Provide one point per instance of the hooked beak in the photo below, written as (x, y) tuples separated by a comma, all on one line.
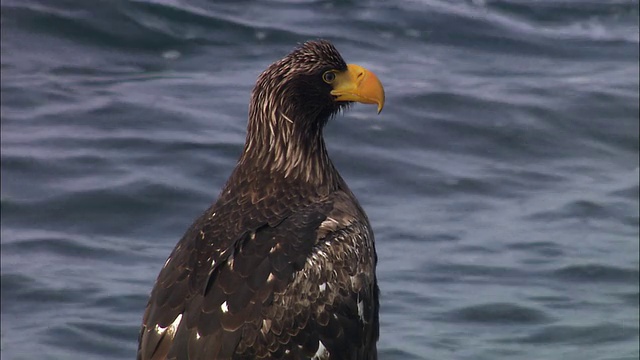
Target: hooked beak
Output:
[(360, 85)]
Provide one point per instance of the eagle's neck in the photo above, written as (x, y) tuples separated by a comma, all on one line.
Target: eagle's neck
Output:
[(288, 144)]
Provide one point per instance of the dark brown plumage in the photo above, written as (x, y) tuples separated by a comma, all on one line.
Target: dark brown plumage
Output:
[(282, 266)]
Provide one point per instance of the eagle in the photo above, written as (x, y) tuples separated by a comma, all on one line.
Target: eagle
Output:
[(282, 265)]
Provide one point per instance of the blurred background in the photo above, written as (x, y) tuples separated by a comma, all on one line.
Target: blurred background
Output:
[(501, 179)]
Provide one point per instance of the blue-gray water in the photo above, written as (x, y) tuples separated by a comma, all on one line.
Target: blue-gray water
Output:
[(501, 179)]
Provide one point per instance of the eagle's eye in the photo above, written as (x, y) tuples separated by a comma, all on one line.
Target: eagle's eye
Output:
[(329, 76)]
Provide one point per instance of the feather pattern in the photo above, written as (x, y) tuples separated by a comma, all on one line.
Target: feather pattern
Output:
[(282, 265)]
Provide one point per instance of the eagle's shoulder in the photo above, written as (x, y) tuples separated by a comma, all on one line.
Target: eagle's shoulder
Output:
[(272, 286)]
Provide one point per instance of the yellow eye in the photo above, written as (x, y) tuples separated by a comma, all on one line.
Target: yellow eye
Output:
[(329, 76)]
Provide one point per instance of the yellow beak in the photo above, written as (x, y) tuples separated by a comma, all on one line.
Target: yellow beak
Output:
[(360, 85)]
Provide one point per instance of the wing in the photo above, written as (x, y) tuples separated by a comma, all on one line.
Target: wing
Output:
[(329, 310), (297, 286)]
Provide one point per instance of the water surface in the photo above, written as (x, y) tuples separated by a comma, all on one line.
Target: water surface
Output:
[(501, 179)]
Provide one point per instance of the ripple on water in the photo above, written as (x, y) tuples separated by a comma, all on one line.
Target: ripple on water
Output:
[(499, 313), (578, 209), (133, 302), (397, 354), (580, 335), (461, 273), (123, 119), (90, 336), (631, 299), (597, 273), (19, 290), (545, 249), (64, 246), (630, 192)]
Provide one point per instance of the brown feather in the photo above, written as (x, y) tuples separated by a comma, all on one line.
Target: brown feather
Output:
[(283, 264)]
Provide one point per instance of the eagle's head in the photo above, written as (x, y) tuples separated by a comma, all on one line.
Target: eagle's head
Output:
[(292, 101), (311, 84)]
